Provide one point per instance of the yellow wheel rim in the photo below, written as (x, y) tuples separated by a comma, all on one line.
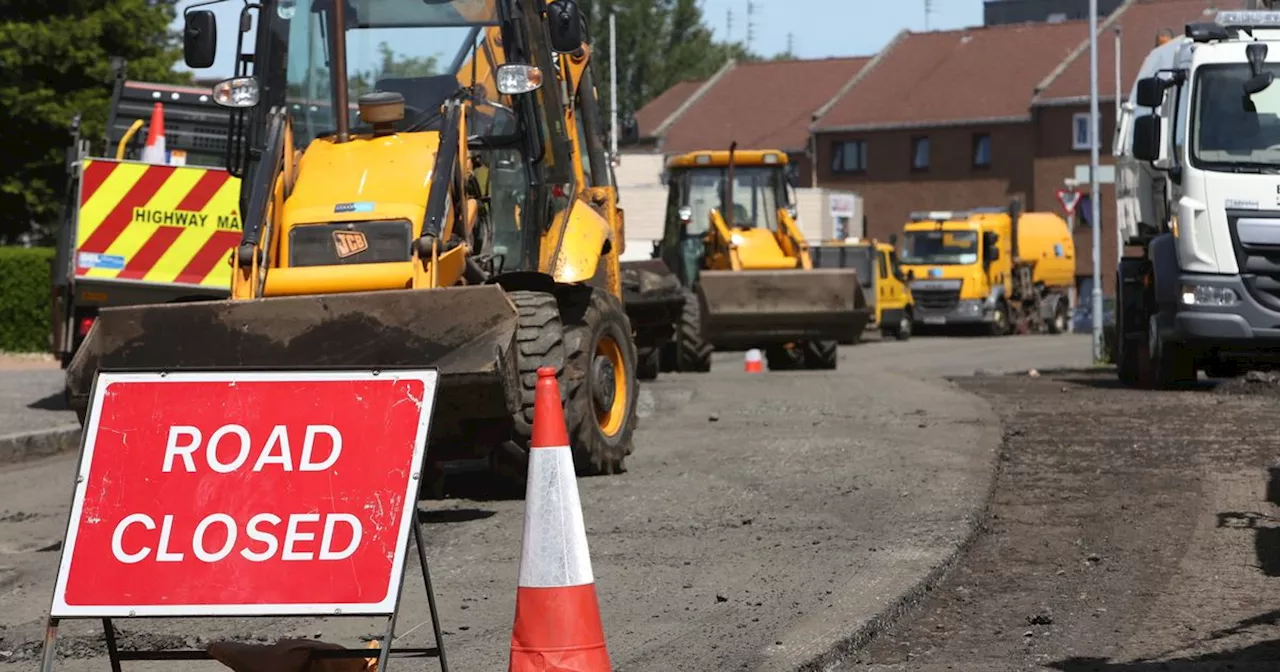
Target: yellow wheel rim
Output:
[(610, 419)]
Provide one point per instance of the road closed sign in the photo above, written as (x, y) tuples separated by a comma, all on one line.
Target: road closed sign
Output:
[(246, 493)]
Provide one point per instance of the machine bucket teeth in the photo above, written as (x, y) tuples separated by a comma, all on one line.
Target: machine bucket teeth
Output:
[(466, 333), (743, 309)]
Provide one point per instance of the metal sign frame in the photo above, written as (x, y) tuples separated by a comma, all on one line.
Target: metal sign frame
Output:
[(410, 527)]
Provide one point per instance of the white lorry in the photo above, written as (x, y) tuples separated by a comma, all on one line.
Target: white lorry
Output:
[(1198, 189)]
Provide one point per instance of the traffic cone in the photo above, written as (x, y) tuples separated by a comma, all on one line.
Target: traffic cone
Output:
[(755, 362), (154, 152), (557, 622)]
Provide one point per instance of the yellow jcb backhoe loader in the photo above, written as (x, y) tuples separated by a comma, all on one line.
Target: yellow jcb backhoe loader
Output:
[(732, 241), (447, 225)]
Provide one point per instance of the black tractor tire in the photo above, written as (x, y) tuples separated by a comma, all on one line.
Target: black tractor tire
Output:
[(784, 357), (648, 363), (1061, 321), (1171, 366), (539, 343), (600, 364), (692, 353), (821, 355)]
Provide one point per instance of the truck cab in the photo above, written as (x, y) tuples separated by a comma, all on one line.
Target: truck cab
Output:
[(883, 282), (1198, 189)]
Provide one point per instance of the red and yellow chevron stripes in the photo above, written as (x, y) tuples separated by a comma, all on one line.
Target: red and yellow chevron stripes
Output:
[(161, 224)]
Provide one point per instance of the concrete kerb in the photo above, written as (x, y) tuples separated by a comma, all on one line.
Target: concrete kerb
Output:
[(25, 446), (846, 648)]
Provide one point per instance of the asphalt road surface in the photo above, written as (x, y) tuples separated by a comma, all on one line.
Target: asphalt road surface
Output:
[(31, 395), (1129, 532), (764, 519)]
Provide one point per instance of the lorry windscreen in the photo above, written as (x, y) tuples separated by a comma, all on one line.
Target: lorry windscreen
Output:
[(939, 247), (1232, 129)]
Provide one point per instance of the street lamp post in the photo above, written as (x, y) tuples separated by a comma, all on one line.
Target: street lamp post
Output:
[(613, 83), (1093, 180)]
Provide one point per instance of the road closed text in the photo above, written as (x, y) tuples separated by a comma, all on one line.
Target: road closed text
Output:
[(230, 449)]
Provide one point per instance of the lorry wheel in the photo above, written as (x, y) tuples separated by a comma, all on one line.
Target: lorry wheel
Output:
[(1000, 320), (600, 383), (1171, 364), (692, 353), (539, 343), (903, 332), (821, 354), (647, 363), (1129, 362), (784, 357), (1059, 323)]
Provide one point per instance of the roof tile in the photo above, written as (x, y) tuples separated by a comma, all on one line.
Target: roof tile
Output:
[(763, 104), (656, 111), (970, 74)]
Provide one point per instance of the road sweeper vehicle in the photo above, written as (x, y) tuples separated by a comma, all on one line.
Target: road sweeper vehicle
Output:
[(443, 224), (883, 283), (1198, 191), (998, 269), (731, 240)]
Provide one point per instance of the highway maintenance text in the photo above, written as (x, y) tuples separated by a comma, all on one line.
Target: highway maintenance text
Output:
[(189, 218)]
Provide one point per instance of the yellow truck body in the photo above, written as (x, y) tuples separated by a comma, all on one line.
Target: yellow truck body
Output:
[(883, 281), (999, 269)]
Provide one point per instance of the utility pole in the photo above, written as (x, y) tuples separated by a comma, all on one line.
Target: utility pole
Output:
[(613, 83), (791, 44), (728, 25), (751, 26), (928, 11), (1093, 180)]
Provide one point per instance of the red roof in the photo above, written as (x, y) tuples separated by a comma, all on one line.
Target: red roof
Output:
[(967, 75), (1140, 23), (763, 104), (656, 111)]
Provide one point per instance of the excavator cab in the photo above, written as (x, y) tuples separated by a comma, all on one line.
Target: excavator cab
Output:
[(411, 197), (732, 240)]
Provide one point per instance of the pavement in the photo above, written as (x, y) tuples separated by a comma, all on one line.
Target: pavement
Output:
[(31, 394), (766, 522)]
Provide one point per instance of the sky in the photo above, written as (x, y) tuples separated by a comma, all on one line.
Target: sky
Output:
[(844, 27)]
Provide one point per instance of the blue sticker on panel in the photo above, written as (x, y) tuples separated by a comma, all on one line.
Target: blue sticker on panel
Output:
[(110, 262), (362, 206)]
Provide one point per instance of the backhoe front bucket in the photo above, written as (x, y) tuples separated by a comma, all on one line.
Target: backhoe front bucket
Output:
[(468, 333), (746, 309)]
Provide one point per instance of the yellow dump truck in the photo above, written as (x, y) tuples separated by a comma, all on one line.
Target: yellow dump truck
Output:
[(731, 239), (999, 269), (883, 283)]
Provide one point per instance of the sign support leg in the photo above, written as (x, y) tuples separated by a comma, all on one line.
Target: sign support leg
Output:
[(113, 652), (431, 593), (50, 639)]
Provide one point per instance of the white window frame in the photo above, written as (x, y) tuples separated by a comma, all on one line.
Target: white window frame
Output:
[(1077, 143)]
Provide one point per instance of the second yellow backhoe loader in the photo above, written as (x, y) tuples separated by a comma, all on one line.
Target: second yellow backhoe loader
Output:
[(732, 240), (447, 224)]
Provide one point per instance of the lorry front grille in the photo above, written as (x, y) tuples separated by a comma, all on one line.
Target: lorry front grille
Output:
[(1256, 239), (935, 300), (350, 243)]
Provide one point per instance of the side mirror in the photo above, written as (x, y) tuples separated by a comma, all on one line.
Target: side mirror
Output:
[(199, 38), (1146, 138), (1258, 83), (565, 24), (1150, 92), (893, 240), (911, 274), (993, 254)]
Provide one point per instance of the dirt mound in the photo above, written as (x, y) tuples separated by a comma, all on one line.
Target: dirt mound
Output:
[(1253, 383)]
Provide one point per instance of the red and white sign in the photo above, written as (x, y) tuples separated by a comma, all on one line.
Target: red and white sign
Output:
[(246, 493), (1069, 199)]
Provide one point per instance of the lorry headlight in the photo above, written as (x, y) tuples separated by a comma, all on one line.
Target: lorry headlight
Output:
[(970, 306), (1203, 295)]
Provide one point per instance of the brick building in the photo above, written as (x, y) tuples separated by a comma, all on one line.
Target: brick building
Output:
[(975, 117), (763, 104)]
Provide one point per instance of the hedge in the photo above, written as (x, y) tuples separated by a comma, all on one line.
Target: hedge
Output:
[(24, 298)]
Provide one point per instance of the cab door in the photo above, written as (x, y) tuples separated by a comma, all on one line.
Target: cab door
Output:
[(891, 292)]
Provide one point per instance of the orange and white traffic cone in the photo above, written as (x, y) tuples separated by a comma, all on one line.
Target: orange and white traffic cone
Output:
[(557, 622), (755, 362), (155, 152)]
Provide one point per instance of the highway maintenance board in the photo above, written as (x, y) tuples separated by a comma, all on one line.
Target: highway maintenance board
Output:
[(245, 494)]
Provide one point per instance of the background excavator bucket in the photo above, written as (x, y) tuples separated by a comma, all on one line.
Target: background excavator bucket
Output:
[(468, 333), (745, 309)]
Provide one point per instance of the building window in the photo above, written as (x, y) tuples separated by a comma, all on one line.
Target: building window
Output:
[(981, 150), (849, 156), (1080, 136), (920, 153)]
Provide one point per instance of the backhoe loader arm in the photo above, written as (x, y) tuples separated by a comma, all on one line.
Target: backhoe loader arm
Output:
[(720, 241), (794, 243)]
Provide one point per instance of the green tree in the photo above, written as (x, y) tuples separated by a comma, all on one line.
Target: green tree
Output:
[(55, 63), (660, 43)]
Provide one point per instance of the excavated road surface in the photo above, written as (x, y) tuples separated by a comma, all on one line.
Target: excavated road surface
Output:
[(1129, 531), (764, 519)]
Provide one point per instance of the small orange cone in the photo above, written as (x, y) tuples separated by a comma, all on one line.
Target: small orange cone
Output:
[(755, 362), (155, 152), (557, 622)]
